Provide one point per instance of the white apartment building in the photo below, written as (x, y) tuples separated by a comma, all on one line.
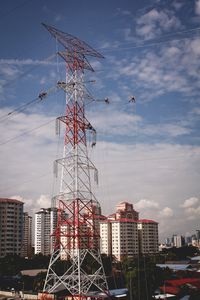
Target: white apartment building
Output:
[(45, 224), (119, 238), (123, 235), (178, 241), (148, 236), (88, 233)]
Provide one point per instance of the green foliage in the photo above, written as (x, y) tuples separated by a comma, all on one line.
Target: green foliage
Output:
[(180, 253), (11, 265), (140, 276)]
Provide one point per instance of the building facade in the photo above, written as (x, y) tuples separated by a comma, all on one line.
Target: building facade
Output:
[(124, 235), (45, 224), (11, 226), (148, 236), (119, 238), (178, 241), (27, 245)]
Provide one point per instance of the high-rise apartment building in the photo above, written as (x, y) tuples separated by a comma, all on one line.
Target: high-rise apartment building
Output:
[(66, 231), (125, 210), (119, 238), (11, 226), (124, 235), (27, 244), (45, 224), (148, 236)]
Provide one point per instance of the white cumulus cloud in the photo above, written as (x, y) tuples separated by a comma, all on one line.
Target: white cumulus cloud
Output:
[(166, 212), (197, 7), (190, 202), (144, 203), (154, 22)]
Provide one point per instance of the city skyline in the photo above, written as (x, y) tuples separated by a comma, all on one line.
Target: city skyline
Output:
[(147, 151)]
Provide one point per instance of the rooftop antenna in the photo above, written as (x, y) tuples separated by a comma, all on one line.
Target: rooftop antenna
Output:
[(76, 237)]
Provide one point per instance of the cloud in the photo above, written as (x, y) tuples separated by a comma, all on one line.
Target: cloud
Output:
[(195, 111), (177, 4), (197, 7), (144, 203), (57, 18), (154, 22), (136, 172), (190, 202), (172, 130), (166, 212), (192, 213), (34, 205), (172, 68), (117, 123), (9, 71), (26, 62), (191, 208)]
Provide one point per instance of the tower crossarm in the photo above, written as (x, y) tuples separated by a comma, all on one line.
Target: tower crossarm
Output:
[(72, 43)]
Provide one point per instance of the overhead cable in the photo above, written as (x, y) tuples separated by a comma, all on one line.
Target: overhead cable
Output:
[(142, 44), (25, 132)]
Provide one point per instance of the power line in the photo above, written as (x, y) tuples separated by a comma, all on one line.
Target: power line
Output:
[(23, 74), (25, 132), (143, 44), (105, 162), (148, 159), (13, 9), (17, 110), (23, 107), (28, 180)]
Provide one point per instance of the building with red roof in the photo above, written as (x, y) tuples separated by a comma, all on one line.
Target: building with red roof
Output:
[(123, 234)]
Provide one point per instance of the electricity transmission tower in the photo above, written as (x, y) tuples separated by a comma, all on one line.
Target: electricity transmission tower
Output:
[(76, 237)]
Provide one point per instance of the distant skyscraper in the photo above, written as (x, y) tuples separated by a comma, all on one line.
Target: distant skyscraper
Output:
[(11, 226), (27, 244), (178, 241), (198, 234), (188, 240), (45, 224), (168, 242)]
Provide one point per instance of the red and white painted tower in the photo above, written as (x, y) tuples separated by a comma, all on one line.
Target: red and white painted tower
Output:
[(76, 238)]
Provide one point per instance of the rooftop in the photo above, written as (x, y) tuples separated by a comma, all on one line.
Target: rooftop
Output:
[(8, 200)]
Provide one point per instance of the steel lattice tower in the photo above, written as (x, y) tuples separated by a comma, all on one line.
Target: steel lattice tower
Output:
[(76, 238)]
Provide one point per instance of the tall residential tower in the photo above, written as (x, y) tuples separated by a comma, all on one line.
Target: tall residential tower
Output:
[(11, 226), (45, 224)]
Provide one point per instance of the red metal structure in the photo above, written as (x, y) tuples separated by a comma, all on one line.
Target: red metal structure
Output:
[(76, 238)]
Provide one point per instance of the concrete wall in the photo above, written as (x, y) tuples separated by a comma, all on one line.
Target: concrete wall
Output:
[(25, 296), (6, 294)]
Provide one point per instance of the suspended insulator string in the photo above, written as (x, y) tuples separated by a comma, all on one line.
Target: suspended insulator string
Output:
[(23, 107), (25, 132)]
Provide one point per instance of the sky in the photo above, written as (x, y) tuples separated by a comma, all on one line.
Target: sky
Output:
[(148, 152)]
